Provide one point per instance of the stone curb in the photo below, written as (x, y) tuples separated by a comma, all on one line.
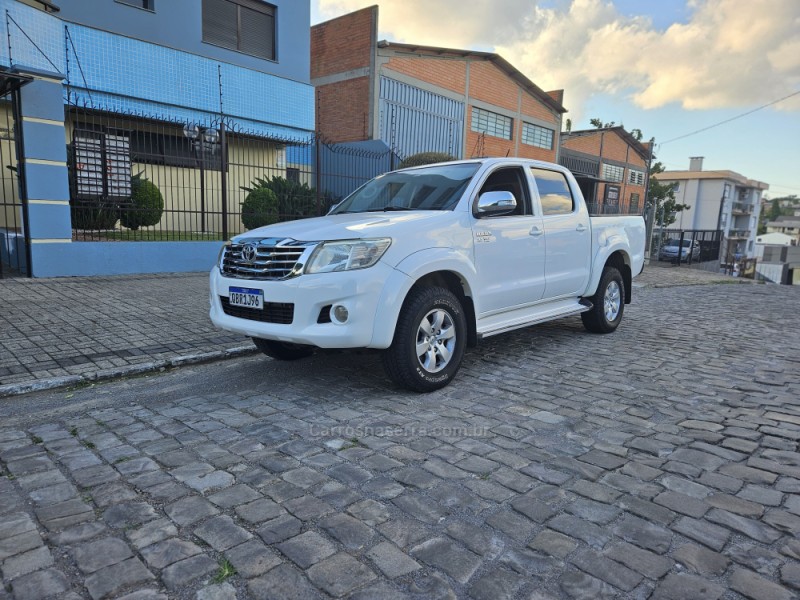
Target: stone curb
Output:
[(26, 387)]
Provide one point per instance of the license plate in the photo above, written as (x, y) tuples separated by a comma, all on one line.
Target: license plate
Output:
[(246, 297)]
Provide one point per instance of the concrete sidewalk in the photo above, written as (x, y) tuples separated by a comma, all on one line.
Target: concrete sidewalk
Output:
[(57, 332), (64, 331)]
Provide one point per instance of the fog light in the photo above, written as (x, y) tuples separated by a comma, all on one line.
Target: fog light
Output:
[(340, 314)]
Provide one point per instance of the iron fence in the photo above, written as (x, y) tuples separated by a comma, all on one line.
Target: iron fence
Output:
[(138, 178), (702, 247), (14, 241)]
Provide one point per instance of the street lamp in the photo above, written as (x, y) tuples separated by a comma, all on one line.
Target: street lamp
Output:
[(203, 140)]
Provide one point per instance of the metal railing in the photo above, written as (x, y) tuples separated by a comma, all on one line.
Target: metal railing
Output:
[(742, 208), (139, 178)]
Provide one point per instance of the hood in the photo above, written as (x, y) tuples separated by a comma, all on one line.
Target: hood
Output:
[(346, 226)]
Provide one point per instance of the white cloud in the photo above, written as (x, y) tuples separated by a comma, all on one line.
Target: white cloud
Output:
[(730, 53)]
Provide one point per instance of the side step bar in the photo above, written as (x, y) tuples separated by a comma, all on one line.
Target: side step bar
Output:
[(583, 305)]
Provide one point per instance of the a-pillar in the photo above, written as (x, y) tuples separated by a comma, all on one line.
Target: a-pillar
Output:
[(44, 167)]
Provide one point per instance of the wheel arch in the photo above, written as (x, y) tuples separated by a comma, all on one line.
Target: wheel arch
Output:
[(622, 262), (460, 287)]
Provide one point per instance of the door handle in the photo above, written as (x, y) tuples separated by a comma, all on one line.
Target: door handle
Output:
[(581, 228), (535, 231)]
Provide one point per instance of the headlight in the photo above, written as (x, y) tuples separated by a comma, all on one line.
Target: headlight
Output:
[(346, 255)]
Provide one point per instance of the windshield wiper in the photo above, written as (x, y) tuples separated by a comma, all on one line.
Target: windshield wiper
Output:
[(390, 208)]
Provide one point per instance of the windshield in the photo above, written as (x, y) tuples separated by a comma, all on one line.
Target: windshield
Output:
[(429, 188), (676, 243)]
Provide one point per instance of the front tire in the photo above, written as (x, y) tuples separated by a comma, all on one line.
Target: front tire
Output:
[(608, 303), (282, 350), (429, 340)]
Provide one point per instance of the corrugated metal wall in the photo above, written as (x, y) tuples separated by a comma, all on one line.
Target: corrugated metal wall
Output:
[(415, 120)]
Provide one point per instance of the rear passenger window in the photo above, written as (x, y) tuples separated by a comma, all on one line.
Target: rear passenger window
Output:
[(554, 192)]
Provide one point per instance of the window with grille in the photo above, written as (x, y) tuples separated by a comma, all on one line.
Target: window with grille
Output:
[(145, 4), (634, 203), (635, 177), (613, 172), (484, 121), (247, 26), (534, 135)]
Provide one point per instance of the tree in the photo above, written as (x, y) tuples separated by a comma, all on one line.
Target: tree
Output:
[(662, 196), (425, 158), (568, 125), (775, 210), (600, 125)]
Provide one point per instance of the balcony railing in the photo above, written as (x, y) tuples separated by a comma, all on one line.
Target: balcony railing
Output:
[(741, 234), (740, 208)]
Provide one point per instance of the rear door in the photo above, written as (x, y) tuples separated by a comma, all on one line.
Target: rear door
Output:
[(509, 249), (567, 232)]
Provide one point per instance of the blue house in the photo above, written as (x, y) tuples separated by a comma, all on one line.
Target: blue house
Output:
[(129, 128)]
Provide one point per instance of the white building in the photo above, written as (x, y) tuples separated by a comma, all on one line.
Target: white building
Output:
[(722, 200), (786, 225)]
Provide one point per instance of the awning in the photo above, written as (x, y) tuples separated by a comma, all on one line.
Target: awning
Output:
[(11, 81)]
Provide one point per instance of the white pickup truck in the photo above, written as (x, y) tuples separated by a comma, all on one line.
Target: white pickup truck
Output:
[(422, 262)]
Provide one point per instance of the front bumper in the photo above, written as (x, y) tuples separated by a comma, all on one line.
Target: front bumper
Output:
[(359, 291)]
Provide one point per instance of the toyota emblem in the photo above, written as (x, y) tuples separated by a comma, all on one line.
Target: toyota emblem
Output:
[(250, 252)]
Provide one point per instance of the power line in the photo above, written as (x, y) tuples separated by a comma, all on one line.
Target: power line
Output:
[(744, 114)]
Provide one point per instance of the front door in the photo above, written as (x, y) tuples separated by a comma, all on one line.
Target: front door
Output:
[(509, 249)]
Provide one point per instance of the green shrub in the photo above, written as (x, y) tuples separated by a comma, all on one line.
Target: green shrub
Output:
[(260, 208), (425, 158), (94, 214), (294, 200), (145, 207)]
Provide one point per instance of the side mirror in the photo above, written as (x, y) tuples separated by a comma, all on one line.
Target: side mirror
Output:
[(492, 204)]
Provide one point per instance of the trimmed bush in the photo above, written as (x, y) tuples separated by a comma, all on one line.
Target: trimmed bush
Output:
[(294, 200), (94, 214), (146, 205), (425, 158), (260, 208)]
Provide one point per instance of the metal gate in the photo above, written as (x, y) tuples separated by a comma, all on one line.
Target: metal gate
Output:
[(14, 237)]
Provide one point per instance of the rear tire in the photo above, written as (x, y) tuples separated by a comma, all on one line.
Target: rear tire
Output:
[(282, 350), (608, 303), (429, 340)]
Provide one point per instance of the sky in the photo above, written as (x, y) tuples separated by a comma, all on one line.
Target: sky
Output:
[(666, 67)]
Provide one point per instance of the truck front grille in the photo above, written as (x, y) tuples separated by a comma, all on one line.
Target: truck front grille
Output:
[(273, 312), (263, 259)]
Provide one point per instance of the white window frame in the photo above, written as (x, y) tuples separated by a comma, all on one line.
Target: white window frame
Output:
[(613, 173), (533, 134), (635, 177), (492, 123)]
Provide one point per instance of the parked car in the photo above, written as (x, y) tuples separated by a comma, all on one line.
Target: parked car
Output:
[(422, 262), (669, 251)]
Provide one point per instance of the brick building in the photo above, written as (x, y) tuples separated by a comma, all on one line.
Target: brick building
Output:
[(611, 166), (422, 98)]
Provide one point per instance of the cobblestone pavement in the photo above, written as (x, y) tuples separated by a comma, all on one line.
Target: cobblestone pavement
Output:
[(94, 326), (657, 462), (99, 327)]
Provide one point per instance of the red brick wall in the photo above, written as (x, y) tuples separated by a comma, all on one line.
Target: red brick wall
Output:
[(588, 144), (343, 110), (449, 74), (338, 46), (615, 148), (535, 108), (343, 44), (490, 84)]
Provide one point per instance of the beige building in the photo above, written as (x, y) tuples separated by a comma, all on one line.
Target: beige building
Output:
[(723, 200)]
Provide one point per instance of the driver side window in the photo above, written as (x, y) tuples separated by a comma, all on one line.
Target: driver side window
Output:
[(510, 180)]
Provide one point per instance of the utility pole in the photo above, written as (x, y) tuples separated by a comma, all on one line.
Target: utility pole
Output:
[(651, 222)]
